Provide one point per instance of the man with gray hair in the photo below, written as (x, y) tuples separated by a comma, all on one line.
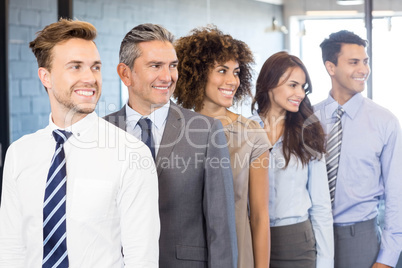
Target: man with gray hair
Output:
[(196, 199)]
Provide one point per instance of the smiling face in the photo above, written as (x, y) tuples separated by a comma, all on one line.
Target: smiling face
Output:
[(153, 78), (350, 74), (223, 81), (290, 92), (74, 82)]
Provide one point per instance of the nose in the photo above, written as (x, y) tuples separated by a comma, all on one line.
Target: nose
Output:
[(88, 76), (165, 74), (300, 92), (364, 68), (232, 80)]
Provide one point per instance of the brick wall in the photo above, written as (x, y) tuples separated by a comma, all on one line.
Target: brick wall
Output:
[(29, 104)]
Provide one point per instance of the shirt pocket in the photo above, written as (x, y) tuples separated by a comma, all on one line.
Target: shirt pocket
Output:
[(91, 199)]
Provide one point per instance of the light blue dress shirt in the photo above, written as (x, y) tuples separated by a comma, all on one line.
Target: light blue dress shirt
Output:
[(298, 193), (158, 118), (370, 168)]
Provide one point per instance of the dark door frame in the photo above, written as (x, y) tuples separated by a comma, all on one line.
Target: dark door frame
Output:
[(4, 111), (65, 9)]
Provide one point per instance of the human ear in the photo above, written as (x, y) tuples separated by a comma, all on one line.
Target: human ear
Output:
[(330, 67), (125, 73), (44, 76)]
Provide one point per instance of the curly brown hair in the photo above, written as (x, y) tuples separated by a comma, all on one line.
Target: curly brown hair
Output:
[(198, 53)]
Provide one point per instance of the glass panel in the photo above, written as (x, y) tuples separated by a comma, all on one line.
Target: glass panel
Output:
[(315, 32), (386, 54), (386, 51)]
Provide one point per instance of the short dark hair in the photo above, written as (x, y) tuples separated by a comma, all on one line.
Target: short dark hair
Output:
[(331, 46), (198, 53), (56, 33), (129, 50)]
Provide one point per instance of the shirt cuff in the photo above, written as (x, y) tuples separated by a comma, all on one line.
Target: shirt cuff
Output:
[(388, 257)]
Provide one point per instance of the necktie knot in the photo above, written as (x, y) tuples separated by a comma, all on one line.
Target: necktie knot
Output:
[(61, 136), (339, 112), (145, 123)]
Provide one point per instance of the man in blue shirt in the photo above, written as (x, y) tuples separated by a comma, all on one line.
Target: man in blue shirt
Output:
[(370, 160)]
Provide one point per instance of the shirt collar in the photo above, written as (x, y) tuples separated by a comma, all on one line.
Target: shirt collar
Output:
[(256, 117), (157, 117), (350, 107), (79, 127), (353, 105)]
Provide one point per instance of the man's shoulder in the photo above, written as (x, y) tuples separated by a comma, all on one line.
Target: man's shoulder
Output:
[(117, 118), (378, 109), (113, 131), (320, 105), (32, 137), (30, 142), (113, 116)]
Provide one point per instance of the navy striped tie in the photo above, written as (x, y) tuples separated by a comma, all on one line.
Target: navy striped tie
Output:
[(54, 208)]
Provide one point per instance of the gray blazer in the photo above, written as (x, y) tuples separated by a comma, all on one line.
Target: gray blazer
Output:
[(196, 198)]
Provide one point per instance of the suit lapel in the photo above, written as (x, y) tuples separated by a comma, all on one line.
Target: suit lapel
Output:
[(174, 125)]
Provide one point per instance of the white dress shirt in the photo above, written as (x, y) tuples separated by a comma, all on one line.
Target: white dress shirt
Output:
[(112, 198), (298, 193), (158, 119)]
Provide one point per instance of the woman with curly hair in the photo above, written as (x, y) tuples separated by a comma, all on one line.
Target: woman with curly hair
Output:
[(215, 71), (300, 207)]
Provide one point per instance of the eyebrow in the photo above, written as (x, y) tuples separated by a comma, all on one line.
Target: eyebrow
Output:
[(162, 62), (81, 62), (355, 59), (226, 67), (293, 81)]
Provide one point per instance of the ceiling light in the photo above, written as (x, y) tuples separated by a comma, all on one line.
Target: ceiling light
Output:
[(275, 27), (331, 12), (349, 2)]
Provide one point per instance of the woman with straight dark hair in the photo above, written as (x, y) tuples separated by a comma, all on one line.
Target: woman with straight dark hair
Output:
[(299, 200)]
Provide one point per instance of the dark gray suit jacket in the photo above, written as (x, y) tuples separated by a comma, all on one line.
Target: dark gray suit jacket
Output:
[(196, 199)]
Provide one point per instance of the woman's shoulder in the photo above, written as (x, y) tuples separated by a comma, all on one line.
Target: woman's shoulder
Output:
[(248, 123)]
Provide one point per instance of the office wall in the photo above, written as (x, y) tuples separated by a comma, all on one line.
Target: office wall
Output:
[(29, 105)]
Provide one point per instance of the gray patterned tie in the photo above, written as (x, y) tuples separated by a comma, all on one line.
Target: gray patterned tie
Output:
[(333, 152)]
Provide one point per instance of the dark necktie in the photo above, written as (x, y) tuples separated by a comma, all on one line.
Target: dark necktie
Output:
[(333, 152), (54, 207), (146, 134)]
